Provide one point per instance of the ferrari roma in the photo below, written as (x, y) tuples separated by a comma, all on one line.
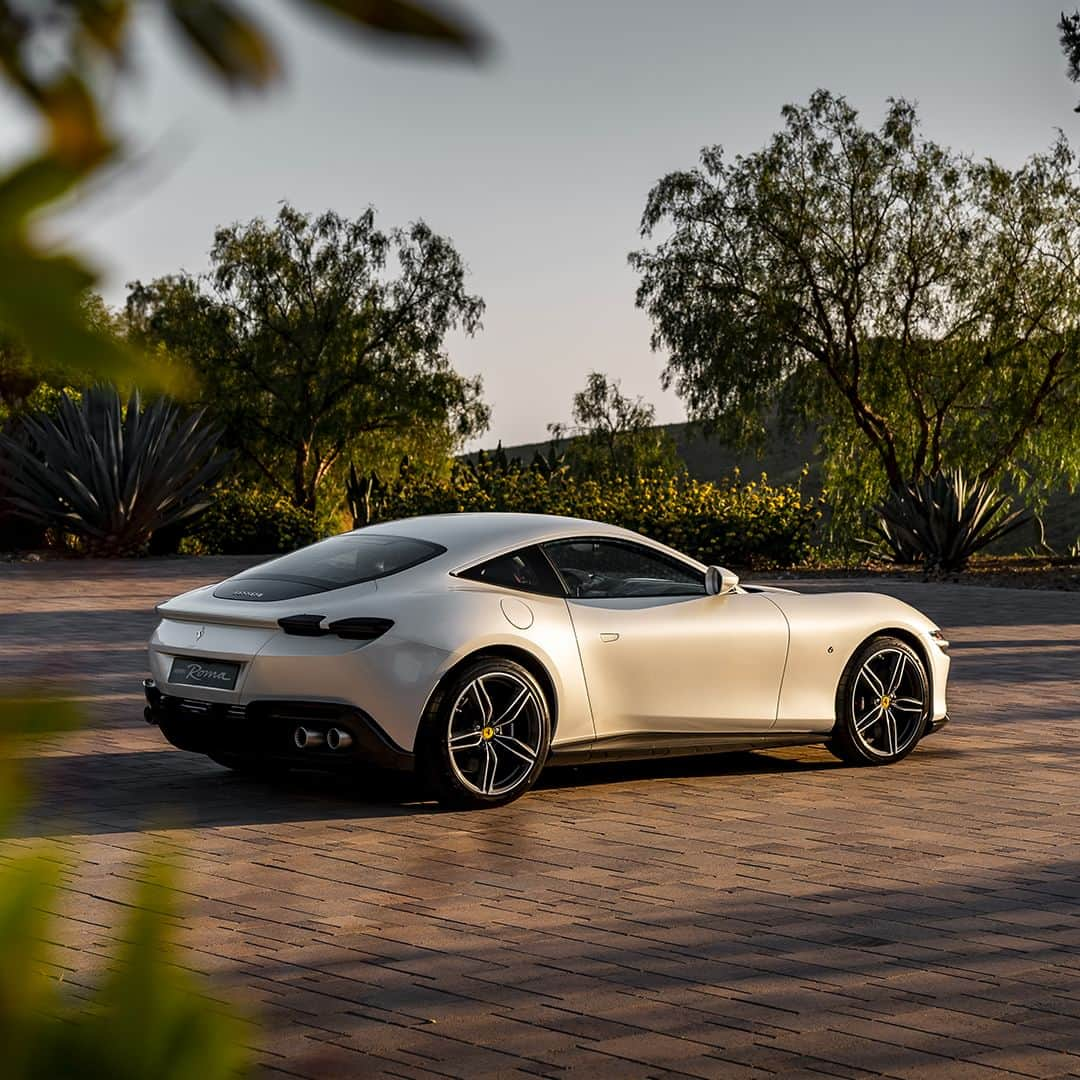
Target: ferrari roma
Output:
[(476, 648)]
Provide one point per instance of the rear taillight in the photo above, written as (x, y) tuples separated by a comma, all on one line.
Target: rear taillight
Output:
[(303, 625), (361, 629), (356, 629)]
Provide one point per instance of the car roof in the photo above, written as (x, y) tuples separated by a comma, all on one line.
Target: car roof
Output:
[(473, 535)]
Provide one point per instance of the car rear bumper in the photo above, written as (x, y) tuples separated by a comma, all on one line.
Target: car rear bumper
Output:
[(266, 730)]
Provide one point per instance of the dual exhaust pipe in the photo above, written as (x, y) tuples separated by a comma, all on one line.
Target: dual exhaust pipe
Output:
[(335, 739)]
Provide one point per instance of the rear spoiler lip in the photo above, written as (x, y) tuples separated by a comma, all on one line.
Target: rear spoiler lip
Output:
[(163, 611)]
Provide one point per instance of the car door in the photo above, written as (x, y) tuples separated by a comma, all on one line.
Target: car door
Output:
[(658, 653)]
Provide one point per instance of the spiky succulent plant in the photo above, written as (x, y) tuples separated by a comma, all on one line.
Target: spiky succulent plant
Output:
[(946, 519), (108, 473)]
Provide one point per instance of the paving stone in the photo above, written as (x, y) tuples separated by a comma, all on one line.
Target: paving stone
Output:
[(750, 915)]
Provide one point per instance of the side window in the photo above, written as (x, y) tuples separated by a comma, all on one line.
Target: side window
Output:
[(526, 570), (609, 568)]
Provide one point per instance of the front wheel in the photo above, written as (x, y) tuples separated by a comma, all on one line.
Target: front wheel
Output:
[(486, 735), (882, 703)]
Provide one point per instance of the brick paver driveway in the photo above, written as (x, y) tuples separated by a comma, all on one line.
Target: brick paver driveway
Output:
[(721, 917)]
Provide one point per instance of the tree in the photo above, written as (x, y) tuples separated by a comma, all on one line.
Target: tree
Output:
[(65, 59), (908, 300), (26, 380), (304, 344), (613, 434), (1069, 28)]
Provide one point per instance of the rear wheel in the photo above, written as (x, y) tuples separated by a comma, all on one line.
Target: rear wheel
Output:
[(882, 703), (486, 735)]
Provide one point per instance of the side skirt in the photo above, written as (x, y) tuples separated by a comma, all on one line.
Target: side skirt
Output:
[(676, 744)]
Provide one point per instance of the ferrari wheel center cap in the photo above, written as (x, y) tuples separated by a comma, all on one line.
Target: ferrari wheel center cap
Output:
[(886, 701), (488, 733)]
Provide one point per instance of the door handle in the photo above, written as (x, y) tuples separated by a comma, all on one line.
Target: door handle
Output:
[(609, 637)]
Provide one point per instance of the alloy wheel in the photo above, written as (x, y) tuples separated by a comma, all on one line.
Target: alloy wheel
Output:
[(495, 733), (888, 702)]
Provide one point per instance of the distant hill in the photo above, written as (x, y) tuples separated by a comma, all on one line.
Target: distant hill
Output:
[(708, 459), (784, 458)]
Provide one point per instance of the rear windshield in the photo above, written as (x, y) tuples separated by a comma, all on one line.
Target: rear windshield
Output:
[(345, 560)]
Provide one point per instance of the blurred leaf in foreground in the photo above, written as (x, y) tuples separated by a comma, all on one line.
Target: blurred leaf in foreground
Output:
[(418, 22), (147, 1019), (24, 715), (62, 57), (43, 294)]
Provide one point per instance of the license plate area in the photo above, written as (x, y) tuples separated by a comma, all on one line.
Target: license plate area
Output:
[(198, 671)]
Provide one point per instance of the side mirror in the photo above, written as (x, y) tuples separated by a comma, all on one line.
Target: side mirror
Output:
[(719, 581)]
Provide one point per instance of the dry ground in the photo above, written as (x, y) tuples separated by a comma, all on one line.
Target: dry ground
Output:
[(719, 917)]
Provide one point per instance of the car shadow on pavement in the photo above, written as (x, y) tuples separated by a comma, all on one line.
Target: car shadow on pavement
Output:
[(733, 763), (126, 791)]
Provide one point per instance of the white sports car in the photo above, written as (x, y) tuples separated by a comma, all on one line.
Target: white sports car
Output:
[(476, 648)]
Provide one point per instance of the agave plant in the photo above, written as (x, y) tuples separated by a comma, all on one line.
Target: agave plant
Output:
[(890, 544), (110, 474), (946, 520)]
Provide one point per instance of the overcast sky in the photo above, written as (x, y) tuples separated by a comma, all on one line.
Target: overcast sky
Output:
[(537, 163)]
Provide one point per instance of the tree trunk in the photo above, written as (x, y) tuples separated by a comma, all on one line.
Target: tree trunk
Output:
[(303, 496)]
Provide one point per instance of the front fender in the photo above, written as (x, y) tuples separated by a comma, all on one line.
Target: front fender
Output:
[(825, 632)]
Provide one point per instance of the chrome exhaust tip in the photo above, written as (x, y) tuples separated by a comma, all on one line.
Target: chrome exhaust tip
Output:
[(337, 739), (307, 737)]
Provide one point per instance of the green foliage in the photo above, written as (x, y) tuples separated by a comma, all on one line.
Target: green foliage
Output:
[(734, 523), (918, 306), (612, 434), (59, 55), (1069, 28), (37, 396), (894, 542), (147, 1018), (28, 384), (109, 474), (64, 59), (249, 521), (945, 519), (42, 294), (363, 492), (550, 464), (306, 347)]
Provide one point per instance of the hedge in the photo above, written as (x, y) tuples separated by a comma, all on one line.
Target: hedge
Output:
[(247, 521), (731, 523)]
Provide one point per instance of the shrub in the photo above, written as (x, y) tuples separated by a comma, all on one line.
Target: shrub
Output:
[(946, 520), (249, 521), (733, 523), (107, 473)]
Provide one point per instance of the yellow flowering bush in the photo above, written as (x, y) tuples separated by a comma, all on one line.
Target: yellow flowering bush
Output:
[(733, 523)]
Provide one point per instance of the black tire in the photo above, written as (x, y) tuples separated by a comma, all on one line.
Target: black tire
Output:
[(883, 703), (472, 774)]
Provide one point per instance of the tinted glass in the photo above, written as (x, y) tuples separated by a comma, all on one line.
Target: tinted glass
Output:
[(526, 570), (340, 561), (602, 568)]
